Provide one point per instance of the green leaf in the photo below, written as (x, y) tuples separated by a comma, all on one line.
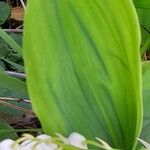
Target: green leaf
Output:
[(12, 87), (145, 46), (146, 144), (10, 42), (142, 4), (145, 28), (4, 12), (146, 87), (15, 65), (13, 84), (4, 130), (17, 37), (89, 76), (146, 103)]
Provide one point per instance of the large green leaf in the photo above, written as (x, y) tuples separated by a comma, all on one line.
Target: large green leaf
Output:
[(83, 68)]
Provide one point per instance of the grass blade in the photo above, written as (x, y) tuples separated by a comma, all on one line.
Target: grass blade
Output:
[(17, 66), (10, 42)]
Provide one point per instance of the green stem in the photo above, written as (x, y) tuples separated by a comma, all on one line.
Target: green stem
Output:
[(21, 130)]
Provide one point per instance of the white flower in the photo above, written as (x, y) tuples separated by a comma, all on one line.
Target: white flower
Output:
[(42, 146), (29, 144), (45, 146), (77, 140), (42, 142), (7, 145)]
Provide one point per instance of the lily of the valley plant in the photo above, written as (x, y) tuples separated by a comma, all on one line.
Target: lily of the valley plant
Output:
[(83, 67)]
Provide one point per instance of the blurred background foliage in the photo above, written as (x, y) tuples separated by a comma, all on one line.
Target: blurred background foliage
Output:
[(15, 107)]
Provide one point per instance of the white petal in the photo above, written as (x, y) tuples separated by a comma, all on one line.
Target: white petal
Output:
[(27, 145), (43, 146), (43, 136), (6, 144), (39, 146), (75, 139)]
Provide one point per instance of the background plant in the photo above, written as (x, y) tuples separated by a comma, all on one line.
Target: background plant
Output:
[(12, 86)]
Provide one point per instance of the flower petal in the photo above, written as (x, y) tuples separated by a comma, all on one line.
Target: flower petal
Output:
[(6, 144), (75, 139)]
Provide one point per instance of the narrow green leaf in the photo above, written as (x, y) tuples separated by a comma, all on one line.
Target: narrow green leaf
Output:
[(13, 84), (10, 42), (89, 60), (142, 4), (146, 144), (17, 66)]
